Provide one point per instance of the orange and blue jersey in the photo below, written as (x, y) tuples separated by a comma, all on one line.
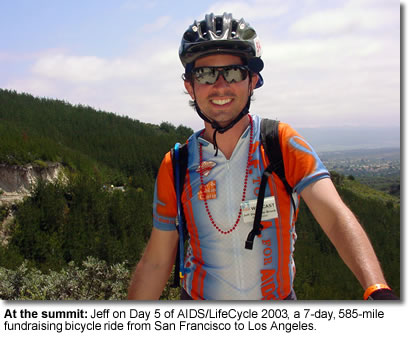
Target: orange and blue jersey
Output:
[(218, 267)]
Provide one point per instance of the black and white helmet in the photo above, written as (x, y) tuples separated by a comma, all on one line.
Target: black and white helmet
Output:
[(219, 34)]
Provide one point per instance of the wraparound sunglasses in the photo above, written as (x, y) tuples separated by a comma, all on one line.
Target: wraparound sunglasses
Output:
[(210, 74)]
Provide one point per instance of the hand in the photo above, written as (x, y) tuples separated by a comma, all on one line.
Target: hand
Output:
[(383, 294)]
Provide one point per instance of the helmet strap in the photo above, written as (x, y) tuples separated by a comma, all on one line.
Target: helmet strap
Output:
[(217, 127)]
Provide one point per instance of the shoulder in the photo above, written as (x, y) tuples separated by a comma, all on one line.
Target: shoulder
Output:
[(301, 162), (286, 131), (281, 131), (185, 154), (167, 161), (283, 128), (292, 141), (165, 173)]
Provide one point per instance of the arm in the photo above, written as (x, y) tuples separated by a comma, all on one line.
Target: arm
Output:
[(344, 231), (153, 270)]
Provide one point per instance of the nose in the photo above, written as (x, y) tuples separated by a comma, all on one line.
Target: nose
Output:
[(220, 81)]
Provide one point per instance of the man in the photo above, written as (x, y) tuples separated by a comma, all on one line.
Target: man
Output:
[(221, 56)]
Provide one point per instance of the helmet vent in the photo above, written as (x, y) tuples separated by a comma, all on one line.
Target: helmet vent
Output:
[(234, 28), (189, 36), (218, 26), (204, 29)]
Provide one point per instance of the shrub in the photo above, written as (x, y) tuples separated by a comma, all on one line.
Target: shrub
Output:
[(94, 280)]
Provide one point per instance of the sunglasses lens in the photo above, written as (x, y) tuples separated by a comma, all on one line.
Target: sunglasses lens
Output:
[(231, 74), (206, 75), (234, 74)]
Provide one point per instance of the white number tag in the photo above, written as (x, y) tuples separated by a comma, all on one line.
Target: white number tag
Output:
[(268, 212)]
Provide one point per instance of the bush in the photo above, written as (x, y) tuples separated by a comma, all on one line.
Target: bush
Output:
[(94, 280)]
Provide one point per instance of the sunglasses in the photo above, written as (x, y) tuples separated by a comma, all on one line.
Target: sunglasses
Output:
[(210, 74)]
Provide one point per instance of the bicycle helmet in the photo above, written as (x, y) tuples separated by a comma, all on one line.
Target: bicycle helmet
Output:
[(221, 34)]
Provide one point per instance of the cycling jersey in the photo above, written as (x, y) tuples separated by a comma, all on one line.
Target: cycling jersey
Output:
[(218, 265)]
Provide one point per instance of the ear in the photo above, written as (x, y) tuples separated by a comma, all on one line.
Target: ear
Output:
[(252, 83), (254, 80), (189, 88)]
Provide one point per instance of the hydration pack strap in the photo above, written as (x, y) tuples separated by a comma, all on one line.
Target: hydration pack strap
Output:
[(271, 145), (257, 226), (178, 157)]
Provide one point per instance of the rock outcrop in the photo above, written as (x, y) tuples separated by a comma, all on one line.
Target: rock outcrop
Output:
[(16, 181)]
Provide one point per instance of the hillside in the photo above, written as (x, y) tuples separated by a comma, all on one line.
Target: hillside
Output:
[(83, 215), (81, 138), (64, 222), (378, 213)]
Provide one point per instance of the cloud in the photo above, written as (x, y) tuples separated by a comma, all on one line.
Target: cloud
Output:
[(92, 69), (325, 54), (157, 25), (250, 10), (71, 68), (33, 85), (4, 56), (327, 23), (333, 66), (145, 84), (353, 17), (333, 81)]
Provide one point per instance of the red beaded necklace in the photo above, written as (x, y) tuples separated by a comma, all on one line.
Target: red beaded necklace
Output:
[(245, 184)]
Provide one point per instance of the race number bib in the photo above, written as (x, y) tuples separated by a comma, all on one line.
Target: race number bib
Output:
[(268, 212)]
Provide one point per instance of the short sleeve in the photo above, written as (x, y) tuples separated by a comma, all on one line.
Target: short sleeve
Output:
[(164, 205), (302, 164)]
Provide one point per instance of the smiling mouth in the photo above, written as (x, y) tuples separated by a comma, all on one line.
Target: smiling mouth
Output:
[(221, 101)]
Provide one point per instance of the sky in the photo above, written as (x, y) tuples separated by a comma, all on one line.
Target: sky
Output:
[(327, 63)]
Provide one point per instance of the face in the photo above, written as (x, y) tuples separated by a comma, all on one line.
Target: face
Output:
[(221, 101)]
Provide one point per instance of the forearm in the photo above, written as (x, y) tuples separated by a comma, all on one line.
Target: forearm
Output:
[(148, 281), (153, 270), (355, 249), (344, 231)]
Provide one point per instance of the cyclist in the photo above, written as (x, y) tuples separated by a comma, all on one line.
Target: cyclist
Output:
[(222, 61)]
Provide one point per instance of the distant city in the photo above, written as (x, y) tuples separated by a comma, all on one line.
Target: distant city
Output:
[(378, 168), (366, 162), (370, 155)]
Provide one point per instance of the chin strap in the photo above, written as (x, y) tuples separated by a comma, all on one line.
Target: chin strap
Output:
[(216, 126)]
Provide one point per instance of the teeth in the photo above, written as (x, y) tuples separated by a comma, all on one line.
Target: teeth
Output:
[(221, 101)]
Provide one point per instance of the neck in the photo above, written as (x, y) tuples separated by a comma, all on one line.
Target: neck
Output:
[(228, 140)]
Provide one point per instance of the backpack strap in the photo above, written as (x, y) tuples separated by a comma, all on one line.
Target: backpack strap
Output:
[(271, 145), (270, 140), (257, 225), (179, 156)]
